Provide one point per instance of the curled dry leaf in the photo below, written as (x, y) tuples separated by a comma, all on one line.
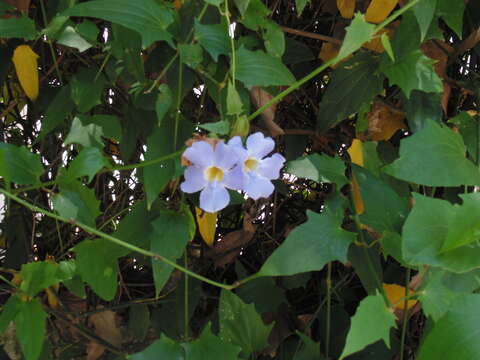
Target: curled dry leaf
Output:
[(440, 50), (105, 325), (226, 251), (260, 97), (383, 122)]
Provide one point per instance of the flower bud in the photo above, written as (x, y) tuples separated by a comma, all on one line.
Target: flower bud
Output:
[(241, 127)]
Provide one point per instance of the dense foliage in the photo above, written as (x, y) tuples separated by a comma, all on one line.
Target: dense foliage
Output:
[(368, 248)]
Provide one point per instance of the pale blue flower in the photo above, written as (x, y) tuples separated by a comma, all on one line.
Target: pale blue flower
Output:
[(211, 172), (255, 169)]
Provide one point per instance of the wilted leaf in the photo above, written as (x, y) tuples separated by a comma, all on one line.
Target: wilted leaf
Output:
[(25, 61), (346, 8), (207, 225), (378, 10)]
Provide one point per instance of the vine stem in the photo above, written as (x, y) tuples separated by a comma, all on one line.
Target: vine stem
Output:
[(329, 309), (105, 170), (405, 314), (232, 41), (321, 68), (115, 240)]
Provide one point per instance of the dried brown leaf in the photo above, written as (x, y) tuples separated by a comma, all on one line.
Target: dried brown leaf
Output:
[(260, 97), (105, 325)]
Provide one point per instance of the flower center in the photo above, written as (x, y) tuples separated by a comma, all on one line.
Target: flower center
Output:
[(213, 173), (250, 164)]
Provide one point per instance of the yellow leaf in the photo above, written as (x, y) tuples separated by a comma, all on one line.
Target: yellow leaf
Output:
[(357, 198), (177, 4), (25, 61), (17, 279), (51, 298), (207, 224), (356, 152), (396, 294), (346, 8), (378, 10)]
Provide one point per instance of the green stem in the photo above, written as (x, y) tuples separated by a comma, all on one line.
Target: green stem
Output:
[(329, 309), (232, 42), (162, 74), (50, 45), (115, 240), (321, 68), (405, 314), (185, 303)]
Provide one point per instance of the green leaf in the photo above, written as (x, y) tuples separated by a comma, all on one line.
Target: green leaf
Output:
[(384, 209), (426, 229), (191, 54), (274, 39), (87, 163), (319, 168), (19, 165), (163, 103), (452, 13), (422, 107), (372, 310), (37, 276), (310, 349), (242, 6), (256, 68), (87, 135), (414, 71), (98, 266), (210, 347), (300, 5), (434, 156), (220, 127), (234, 102), (263, 292), (387, 46), (88, 30), (213, 38), (468, 129), (139, 321), (358, 32), (70, 37), (255, 15), (30, 328), (172, 231), (86, 89), (310, 246), (9, 312), (163, 348), (455, 335), (424, 12), (240, 324), (60, 107), (22, 27), (127, 45), (159, 143), (149, 17), (77, 202), (351, 86), (465, 228)]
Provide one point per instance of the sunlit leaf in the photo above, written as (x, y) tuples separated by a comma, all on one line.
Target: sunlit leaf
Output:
[(358, 32)]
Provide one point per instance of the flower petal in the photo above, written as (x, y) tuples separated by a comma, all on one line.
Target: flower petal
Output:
[(259, 146), (258, 186), (200, 153), (194, 180), (225, 157), (235, 141), (235, 178), (270, 167), (214, 197)]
